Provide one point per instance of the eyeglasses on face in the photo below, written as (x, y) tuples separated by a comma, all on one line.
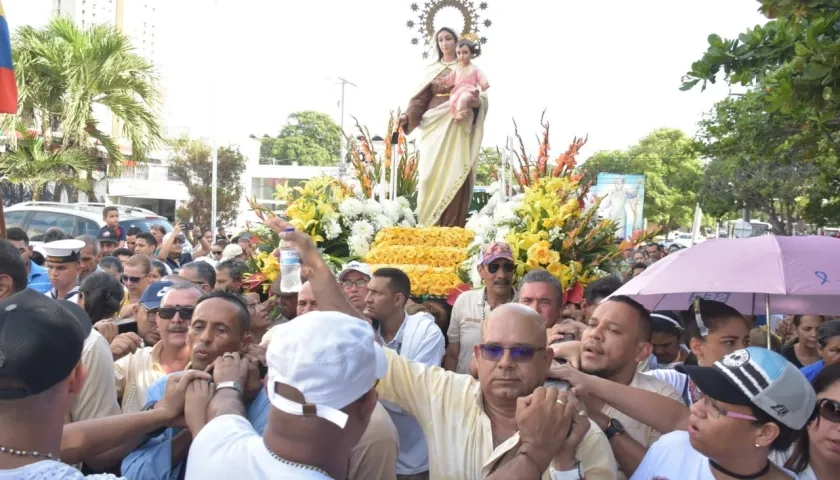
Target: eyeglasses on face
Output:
[(168, 313), (358, 284), (716, 411), (829, 409), (519, 353), (127, 279), (178, 241), (494, 267)]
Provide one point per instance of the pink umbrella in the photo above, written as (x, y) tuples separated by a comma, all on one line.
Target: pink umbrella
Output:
[(757, 276)]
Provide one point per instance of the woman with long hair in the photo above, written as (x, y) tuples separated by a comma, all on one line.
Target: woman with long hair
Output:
[(816, 453)]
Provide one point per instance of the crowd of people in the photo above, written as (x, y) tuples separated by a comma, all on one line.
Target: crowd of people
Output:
[(121, 356)]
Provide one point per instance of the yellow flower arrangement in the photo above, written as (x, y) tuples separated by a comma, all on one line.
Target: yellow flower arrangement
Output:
[(417, 255), (430, 256), (431, 236), (550, 225), (313, 207), (427, 281)]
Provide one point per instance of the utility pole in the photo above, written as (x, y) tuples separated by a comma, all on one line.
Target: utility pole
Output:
[(215, 155), (341, 146)]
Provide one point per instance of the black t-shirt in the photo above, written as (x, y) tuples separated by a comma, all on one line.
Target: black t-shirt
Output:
[(790, 353)]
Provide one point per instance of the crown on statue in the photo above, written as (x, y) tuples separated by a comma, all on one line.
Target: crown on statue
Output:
[(470, 37)]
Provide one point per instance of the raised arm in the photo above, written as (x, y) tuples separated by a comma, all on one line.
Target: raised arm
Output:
[(658, 411), (324, 284)]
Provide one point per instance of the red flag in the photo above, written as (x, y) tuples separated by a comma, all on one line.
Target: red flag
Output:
[(8, 86)]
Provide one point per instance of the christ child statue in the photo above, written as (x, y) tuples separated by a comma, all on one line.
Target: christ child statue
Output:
[(466, 79)]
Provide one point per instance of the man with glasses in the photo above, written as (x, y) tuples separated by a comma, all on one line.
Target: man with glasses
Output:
[(354, 278), (218, 325), (490, 440), (472, 308), (161, 323)]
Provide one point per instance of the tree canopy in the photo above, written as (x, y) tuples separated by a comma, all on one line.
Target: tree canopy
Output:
[(671, 165), (193, 165), (752, 167), (308, 138), (63, 71), (794, 59)]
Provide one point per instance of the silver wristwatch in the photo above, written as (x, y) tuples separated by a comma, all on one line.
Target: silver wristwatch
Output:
[(230, 384)]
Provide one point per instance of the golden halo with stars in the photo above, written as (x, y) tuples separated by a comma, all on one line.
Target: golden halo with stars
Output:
[(423, 23)]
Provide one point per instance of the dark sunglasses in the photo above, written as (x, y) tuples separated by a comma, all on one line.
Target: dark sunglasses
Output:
[(126, 278), (829, 410), (217, 252), (168, 313), (519, 353), (494, 267)]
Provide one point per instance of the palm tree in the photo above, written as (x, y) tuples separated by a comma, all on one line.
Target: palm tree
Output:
[(31, 164), (64, 71)]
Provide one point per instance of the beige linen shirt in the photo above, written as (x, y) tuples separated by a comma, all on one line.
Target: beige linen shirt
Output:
[(375, 456), (638, 431), (135, 373), (98, 396), (449, 409), (465, 325)]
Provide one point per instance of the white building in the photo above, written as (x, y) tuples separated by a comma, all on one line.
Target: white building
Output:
[(151, 185)]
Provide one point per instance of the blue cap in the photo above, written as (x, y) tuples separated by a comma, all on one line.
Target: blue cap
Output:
[(154, 294)]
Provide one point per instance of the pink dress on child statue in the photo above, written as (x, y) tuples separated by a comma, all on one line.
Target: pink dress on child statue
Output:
[(465, 82)]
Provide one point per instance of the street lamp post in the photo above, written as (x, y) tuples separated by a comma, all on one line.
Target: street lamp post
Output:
[(341, 143)]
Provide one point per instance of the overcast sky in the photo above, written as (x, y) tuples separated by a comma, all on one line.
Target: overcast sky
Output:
[(607, 68)]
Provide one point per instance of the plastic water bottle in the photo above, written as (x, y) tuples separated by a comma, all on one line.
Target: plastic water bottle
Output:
[(289, 268)]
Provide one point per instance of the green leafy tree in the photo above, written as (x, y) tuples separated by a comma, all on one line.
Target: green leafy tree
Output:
[(64, 72), (308, 138), (192, 163), (794, 59), (755, 168), (30, 164), (671, 165)]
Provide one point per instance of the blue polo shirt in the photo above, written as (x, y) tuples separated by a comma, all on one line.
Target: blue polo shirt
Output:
[(39, 278)]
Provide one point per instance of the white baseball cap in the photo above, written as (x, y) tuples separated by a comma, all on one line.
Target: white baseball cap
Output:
[(331, 358), (360, 267), (231, 250)]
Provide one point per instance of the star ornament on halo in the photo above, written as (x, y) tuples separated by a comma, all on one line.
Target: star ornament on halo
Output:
[(426, 25)]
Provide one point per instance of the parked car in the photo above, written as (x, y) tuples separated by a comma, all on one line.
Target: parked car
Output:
[(77, 219)]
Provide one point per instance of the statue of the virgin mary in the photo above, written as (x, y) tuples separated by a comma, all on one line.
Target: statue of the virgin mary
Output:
[(448, 149)]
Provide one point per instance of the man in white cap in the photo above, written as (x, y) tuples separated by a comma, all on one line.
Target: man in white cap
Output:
[(63, 261), (354, 278), (322, 370)]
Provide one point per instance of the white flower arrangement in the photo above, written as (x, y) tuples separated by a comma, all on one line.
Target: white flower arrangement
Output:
[(363, 218)]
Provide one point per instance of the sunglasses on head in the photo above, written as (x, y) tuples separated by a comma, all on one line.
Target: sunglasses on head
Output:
[(168, 313), (126, 279), (519, 353), (829, 410), (494, 267)]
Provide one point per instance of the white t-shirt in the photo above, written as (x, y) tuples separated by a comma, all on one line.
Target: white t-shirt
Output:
[(673, 458), (51, 470), (676, 379), (779, 458), (229, 447)]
